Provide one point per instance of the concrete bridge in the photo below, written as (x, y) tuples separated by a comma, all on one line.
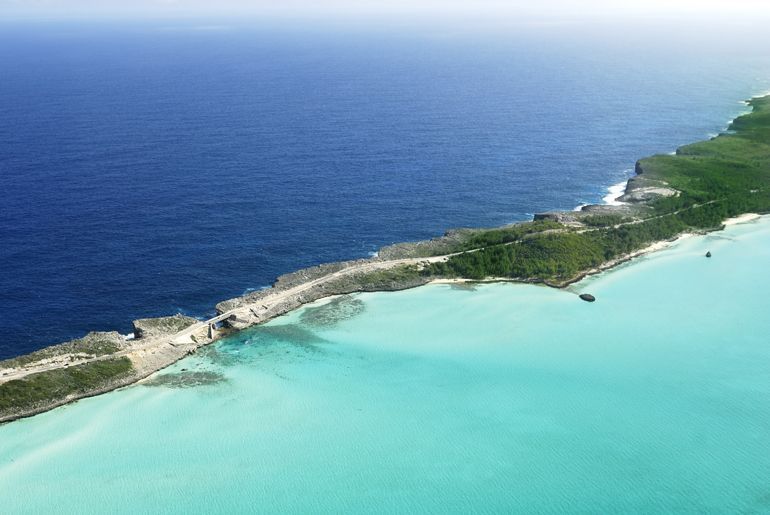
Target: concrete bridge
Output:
[(206, 329)]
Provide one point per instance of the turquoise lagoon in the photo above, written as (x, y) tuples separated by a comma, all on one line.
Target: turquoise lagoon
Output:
[(445, 399)]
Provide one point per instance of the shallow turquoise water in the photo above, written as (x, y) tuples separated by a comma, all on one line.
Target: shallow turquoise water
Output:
[(442, 399)]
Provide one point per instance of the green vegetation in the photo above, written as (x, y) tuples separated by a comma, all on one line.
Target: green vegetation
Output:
[(489, 237), (45, 387), (605, 220), (92, 345), (726, 176), (405, 274)]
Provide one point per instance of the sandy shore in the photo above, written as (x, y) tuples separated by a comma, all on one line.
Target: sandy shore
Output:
[(745, 218), (658, 245)]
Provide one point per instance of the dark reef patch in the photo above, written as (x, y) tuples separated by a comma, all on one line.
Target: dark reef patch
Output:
[(333, 312), (187, 379), (293, 334), (464, 286), (255, 344), (218, 355)]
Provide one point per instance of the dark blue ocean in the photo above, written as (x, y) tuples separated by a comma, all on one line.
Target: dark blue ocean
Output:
[(148, 169)]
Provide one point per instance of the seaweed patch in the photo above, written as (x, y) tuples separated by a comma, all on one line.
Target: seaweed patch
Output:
[(333, 312), (187, 379)]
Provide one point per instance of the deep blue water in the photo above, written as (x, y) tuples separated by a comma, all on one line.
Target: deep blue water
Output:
[(147, 170)]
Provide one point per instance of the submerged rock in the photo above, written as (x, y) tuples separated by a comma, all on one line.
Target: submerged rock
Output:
[(587, 297), (464, 286), (333, 312), (187, 379)]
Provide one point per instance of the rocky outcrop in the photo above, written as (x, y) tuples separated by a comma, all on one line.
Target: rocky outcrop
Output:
[(642, 194), (306, 275), (250, 312), (578, 217), (645, 187), (287, 281), (433, 247), (562, 217), (161, 326)]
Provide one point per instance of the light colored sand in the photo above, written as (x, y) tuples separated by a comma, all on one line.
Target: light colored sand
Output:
[(748, 217)]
